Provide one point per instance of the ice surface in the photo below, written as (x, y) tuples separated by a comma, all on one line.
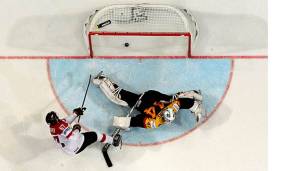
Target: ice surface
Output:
[(234, 138)]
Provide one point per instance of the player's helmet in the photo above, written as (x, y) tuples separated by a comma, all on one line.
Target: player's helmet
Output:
[(52, 118), (169, 115)]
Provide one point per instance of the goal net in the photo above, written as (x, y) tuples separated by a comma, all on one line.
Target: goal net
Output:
[(140, 30)]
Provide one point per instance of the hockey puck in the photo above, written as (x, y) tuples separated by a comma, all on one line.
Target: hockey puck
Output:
[(126, 44)]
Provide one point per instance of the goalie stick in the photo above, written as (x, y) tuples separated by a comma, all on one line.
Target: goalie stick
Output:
[(115, 132)]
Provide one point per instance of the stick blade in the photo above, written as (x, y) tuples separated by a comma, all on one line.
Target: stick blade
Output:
[(106, 155)]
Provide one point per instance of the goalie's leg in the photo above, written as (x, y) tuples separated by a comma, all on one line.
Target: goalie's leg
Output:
[(109, 88), (192, 94)]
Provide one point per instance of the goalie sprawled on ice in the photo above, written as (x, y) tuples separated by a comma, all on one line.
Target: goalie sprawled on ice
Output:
[(155, 108)]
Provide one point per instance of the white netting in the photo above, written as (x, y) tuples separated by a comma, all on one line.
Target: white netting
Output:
[(140, 18)]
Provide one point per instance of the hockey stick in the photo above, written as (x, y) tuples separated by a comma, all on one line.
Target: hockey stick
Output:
[(85, 96), (115, 132)]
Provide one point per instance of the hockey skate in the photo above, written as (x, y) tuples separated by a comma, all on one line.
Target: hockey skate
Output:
[(98, 78), (109, 88)]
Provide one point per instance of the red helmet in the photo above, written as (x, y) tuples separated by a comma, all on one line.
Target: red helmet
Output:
[(52, 118)]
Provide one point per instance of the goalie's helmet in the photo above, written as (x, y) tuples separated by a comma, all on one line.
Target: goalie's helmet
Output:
[(52, 118), (169, 115)]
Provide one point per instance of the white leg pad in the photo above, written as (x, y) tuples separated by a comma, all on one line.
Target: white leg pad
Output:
[(110, 89), (191, 94), (122, 122)]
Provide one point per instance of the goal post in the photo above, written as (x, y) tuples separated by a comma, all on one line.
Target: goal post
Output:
[(140, 30)]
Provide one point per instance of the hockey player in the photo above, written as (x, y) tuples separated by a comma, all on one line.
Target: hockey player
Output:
[(155, 108), (70, 139)]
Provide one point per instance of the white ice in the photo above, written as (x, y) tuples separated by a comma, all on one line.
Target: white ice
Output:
[(235, 137)]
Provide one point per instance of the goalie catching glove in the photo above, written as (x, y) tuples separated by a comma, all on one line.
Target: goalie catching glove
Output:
[(79, 111)]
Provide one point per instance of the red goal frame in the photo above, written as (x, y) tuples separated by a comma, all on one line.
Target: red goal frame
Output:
[(177, 34)]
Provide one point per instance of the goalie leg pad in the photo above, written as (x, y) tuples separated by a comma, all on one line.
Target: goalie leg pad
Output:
[(110, 89), (121, 122), (193, 94)]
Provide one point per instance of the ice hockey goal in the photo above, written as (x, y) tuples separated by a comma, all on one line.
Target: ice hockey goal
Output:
[(140, 30)]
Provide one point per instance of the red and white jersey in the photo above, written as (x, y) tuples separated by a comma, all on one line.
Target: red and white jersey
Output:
[(70, 141)]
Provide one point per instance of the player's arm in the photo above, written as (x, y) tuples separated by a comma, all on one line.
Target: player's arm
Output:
[(76, 112)]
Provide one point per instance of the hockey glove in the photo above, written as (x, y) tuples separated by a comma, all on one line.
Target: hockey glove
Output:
[(79, 111), (77, 126)]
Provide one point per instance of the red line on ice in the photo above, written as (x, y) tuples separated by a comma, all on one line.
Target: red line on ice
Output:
[(131, 57)]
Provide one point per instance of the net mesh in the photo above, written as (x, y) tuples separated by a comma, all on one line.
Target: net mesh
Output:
[(142, 18)]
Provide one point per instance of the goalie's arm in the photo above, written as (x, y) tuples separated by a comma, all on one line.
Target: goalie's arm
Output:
[(142, 121)]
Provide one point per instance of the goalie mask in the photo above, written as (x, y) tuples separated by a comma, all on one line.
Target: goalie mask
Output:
[(52, 118), (169, 115)]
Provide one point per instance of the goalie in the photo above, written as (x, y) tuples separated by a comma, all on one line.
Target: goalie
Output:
[(155, 108)]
